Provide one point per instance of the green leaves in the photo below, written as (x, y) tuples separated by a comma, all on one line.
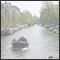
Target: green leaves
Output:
[(12, 19), (26, 17), (2, 18), (49, 12)]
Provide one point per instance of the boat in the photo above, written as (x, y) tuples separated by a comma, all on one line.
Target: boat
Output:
[(51, 29), (57, 32), (6, 32), (20, 44), (46, 26), (49, 57), (15, 29)]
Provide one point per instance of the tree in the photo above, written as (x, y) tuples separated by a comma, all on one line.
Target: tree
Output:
[(49, 13), (26, 17), (2, 18)]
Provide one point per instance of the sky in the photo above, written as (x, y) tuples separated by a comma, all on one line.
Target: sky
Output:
[(32, 6)]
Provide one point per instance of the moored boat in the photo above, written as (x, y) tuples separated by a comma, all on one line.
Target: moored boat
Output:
[(55, 30), (46, 26), (6, 32), (51, 29), (15, 29)]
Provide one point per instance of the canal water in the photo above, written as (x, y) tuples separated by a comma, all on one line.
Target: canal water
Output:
[(43, 43)]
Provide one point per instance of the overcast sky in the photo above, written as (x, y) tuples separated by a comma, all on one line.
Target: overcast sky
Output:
[(32, 6)]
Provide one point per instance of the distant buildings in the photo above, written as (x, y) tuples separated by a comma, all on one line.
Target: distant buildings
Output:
[(7, 7), (35, 19)]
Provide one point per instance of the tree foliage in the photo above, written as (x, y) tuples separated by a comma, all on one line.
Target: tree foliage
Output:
[(13, 19), (49, 13), (26, 17)]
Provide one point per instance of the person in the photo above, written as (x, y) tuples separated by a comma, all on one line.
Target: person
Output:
[(23, 36), (14, 40), (24, 39), (20, 39)]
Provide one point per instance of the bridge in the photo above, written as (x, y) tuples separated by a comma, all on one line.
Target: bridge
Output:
[(37, 23)]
